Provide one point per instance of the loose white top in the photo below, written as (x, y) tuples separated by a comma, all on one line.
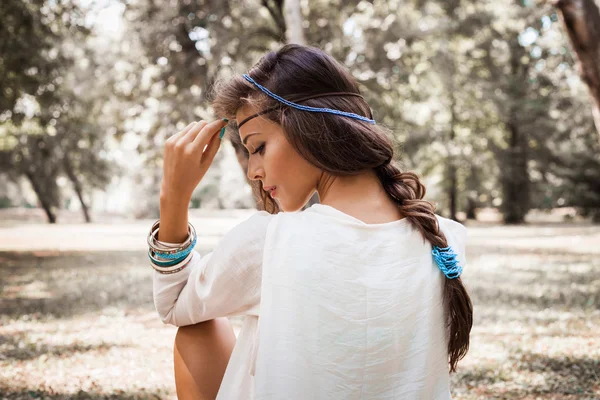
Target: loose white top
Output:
[(335, 308)]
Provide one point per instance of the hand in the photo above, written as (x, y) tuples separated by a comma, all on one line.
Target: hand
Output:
[(186, 161)]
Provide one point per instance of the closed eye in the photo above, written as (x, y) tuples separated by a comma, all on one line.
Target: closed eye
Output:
[(259, 149)]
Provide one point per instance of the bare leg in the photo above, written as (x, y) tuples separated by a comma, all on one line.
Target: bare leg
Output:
[(201, 354)]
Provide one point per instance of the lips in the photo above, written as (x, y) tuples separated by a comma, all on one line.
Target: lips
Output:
[(271, 190)]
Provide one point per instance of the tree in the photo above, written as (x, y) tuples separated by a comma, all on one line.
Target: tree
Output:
[(292, 14), (581, 19), (50, 109), (472, 102)]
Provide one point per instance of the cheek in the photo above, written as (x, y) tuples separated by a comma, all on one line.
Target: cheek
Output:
[(284, 165), (275, 162), (293, 174)]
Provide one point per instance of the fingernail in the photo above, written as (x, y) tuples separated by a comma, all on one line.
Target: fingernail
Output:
[(222, 133), (225, 119)]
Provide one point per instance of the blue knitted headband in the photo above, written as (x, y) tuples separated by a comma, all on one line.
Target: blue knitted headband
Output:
[(305, 108)]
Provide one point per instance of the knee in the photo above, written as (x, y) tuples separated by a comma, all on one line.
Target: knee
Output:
[(201, 355), (215, 334), (190, 334), (206, 342)]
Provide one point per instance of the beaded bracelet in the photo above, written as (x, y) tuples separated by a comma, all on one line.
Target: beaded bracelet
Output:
[(157, 261), (165, 256)]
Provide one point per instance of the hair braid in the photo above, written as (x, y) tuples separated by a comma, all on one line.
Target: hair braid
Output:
[(408, 191)]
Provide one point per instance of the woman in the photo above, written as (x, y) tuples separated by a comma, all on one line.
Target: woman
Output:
[(356, 297)]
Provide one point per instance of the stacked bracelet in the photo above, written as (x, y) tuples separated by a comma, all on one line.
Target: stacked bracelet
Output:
[(168, 258)]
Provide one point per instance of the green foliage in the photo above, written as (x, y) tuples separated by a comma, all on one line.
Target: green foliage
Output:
[(483, 95), (49, 122)]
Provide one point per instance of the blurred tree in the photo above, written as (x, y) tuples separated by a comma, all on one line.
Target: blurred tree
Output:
[(292, 15), (196, 42), (515, 156), (581, 19), (33, 155), (473, 90), (31, 67), (184, 48), (47, 128), (30, 63)]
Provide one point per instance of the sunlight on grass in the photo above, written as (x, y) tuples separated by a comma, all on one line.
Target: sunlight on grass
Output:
[(83, 325)]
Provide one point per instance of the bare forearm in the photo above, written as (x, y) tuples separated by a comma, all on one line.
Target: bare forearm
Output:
[(173, 218)]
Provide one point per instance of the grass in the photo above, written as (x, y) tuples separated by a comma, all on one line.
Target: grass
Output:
[(79, 323)]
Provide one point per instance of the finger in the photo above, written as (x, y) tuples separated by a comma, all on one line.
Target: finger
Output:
[(208, 132), (211, 150), (182, 132), (194, 132)]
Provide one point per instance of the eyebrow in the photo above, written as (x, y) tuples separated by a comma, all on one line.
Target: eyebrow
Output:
[(246, 138)]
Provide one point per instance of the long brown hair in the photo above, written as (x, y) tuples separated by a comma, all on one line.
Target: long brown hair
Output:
[(341, 146)]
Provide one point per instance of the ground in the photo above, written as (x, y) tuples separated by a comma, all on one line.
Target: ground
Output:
[(77, 319)]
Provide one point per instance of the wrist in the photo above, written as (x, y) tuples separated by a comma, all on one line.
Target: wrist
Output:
[(171, 197), (173, 219)]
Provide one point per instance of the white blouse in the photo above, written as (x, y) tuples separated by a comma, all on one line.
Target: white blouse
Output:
[(334, 308)]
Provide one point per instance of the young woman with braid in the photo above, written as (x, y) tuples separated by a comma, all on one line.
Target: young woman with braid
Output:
[(358, 297)]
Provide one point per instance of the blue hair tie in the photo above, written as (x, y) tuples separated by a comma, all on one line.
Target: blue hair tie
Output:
[(307, 108), (446, 260)]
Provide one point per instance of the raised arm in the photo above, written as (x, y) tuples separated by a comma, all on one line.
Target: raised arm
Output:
[(222, 283)]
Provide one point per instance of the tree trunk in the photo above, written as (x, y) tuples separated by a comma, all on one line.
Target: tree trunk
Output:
[(448, 69), (44, 201), (452, 190), (581, 19), (292, 13), (452, 181), (471, 207), (275, 9), (515, 175), (76, 186)]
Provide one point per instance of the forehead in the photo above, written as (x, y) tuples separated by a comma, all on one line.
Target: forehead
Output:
[(257, 124), (244, 112)]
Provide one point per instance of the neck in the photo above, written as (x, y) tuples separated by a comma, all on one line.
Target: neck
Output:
[(362, 195)]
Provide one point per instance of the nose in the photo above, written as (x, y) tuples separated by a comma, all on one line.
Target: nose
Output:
[(255, 172)]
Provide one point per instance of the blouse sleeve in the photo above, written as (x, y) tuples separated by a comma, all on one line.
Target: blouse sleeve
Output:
[(224, 282)]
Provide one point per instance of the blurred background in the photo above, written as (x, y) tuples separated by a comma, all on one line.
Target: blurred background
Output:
[(496, 104)]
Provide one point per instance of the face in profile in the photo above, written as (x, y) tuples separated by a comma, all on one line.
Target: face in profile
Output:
[(275, 162)]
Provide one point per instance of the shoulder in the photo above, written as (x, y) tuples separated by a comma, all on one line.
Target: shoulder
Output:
[(254, 224), (456, 235), (456, 228), (246, 238)]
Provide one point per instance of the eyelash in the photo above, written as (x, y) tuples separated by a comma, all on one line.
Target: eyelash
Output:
[(260, 148)]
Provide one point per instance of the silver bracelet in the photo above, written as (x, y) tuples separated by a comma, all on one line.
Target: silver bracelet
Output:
[(174, 271), (173, 268), (166, 246), (169, 248)]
